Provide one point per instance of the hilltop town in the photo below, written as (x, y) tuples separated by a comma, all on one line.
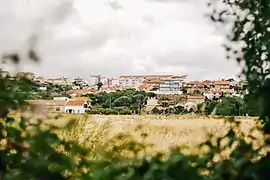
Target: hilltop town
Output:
[(159, 92)]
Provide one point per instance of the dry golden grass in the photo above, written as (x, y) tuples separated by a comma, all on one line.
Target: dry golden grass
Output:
[(100, 133), (161, 131)]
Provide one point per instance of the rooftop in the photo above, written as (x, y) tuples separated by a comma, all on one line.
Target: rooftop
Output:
[(75, 102)]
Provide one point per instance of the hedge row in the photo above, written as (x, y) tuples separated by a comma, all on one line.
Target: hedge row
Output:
[(108, 111)]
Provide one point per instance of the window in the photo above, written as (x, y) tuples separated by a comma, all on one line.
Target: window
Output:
[(58, 109), (85, 106), (78, 111)]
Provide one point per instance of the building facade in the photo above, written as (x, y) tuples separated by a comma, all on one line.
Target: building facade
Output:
[(171, 85)]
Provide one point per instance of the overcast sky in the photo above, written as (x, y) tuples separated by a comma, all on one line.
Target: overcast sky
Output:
[(116, 37)]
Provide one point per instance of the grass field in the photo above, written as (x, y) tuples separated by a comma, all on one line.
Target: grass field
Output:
[(161, 131)]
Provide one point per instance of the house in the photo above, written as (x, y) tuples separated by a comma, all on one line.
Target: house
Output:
[(61, 98), (62, 105), (79, 92), (42, 88), (145, 87), (151, 103), (195, 99), (48, 105), (194, 87), (222, 84), (77, 106)]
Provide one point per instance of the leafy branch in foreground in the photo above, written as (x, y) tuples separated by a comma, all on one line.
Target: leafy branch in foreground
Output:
[(248, 43)]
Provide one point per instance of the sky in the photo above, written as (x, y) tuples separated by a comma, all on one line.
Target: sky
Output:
[(115, 37)]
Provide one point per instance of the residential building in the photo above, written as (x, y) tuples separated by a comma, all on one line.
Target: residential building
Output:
[(131, 81), (62, 105), (194, 87), (61, 98), (222, 84), (48, 105), (171, 85), (77, 106), (151, 103), (42, 88), (79, 92), (135, 81), (60, 81), (195, 99)]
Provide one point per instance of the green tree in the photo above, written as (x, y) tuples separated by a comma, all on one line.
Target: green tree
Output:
[(230, 106), (210, 106)]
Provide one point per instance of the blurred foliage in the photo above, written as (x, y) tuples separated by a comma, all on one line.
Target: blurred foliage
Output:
[(32, 149)]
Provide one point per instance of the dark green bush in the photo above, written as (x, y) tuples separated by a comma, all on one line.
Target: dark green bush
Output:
[(125, 112)]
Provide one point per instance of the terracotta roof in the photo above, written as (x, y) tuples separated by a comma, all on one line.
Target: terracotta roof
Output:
[(194, 83), (195, 97), (144, 86), (75, 103), (47, 102), (81, 98), (206, 82), (80, 91), (222, 83)]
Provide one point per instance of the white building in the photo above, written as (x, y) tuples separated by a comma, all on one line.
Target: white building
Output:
[(151, 104), (171, 85), (195, 99), (76, 106), (131, 81), (62, 105), (61, 98)]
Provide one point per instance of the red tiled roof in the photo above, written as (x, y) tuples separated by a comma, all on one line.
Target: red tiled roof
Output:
[(206, 82), (47, 102), (80, 91), (75, 103), (195, 97), (144, 86), (194, 83), (222, 83)]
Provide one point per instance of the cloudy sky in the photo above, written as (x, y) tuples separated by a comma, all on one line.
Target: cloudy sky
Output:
[(115, 37)]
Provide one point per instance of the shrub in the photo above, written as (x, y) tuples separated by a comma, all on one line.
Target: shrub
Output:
[(155, 110), (125, 112)]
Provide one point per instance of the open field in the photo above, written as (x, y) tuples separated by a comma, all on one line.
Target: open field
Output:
[(161, 131)]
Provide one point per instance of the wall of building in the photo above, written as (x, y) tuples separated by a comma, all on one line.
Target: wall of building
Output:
[(130, 82), (195, 101), (171, 86), (61, 98), (75, 109)]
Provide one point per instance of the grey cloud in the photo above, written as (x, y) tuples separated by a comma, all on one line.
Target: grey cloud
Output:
[(120, 42), (202, 63)]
